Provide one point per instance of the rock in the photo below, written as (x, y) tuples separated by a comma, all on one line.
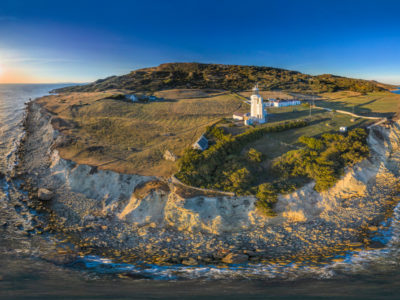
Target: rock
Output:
[(355, 244), (189, 262), (235, 258), (250, 253), (168, 155), (44, 194), (60, 259), (376, 245)]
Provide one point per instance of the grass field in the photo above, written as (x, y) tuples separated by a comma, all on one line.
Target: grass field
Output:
[(268, 94), (132, 137), (378, 104)]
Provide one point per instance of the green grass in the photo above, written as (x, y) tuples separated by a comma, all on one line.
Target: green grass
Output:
[(377, 104)]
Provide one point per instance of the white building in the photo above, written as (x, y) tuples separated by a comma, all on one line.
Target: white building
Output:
[(240, 117), (131, 97), (257, 112), (282, 103)]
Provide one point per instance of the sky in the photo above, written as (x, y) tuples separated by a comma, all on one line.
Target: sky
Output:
[(45, 41)]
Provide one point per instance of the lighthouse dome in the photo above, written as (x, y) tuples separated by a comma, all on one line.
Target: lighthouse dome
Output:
[(255, 90)]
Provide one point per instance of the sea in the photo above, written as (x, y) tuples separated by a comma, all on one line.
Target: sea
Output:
[(396, 91), (29, 268)]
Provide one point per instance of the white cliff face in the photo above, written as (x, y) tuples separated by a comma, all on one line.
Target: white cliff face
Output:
[(104, 185)]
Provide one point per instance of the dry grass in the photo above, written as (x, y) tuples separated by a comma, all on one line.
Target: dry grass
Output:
[(189, 93), (132, 137), (380, 104), (268, 94)]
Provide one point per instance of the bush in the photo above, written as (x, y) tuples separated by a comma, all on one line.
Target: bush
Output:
[(239, 180), (254, 155), (266, 193), (323, 159)]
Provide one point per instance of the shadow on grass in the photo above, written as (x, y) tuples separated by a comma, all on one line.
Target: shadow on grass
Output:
[(359, 109), (295, 114)]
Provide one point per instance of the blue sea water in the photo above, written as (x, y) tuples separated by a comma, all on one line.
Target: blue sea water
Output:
[(26, 272), (396, 91)]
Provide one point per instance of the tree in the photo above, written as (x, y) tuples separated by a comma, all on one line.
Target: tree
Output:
[(239, 179)]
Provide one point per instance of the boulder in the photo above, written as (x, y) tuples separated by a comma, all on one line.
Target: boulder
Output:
[(44, 194), (189, 262), (168, 155), (235, 258)]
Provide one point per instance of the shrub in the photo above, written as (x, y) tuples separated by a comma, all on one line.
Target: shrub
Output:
[(266, 193), (254, 155), (324, 159), (238, 180)]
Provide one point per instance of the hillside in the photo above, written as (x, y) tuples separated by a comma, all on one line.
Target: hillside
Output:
[(226, 77)]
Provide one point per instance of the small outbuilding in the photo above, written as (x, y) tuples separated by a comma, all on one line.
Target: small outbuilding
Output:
[(131, 97), (201, 144), (343, 129), (238, 117)]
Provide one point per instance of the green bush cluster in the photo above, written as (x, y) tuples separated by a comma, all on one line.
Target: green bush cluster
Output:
[(221, 166), (323, 159)]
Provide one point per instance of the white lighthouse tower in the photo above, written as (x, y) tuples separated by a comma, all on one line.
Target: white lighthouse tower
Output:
[(257, 113)]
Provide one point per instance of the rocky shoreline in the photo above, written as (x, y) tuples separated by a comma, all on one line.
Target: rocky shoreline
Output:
[(146, 219)]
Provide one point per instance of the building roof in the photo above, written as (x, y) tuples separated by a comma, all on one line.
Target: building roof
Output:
[(286, 100), (202, 142)]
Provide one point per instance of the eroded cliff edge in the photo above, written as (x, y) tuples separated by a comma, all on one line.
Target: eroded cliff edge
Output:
[(150, 219)]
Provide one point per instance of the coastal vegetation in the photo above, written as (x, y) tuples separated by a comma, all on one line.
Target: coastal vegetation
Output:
[(226, 77), (223, 166), (322, 159)]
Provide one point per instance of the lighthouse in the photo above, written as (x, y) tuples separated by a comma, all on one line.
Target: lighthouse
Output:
[(257, 113)]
